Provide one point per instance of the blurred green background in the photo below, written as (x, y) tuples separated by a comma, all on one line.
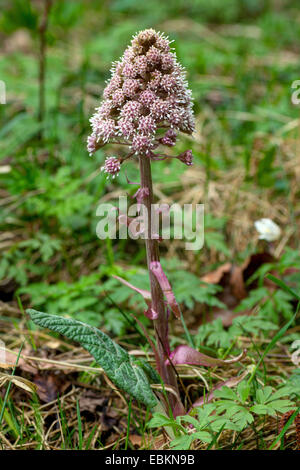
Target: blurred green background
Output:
[(241, 58)]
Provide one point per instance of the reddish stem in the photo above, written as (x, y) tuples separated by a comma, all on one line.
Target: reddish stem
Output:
[(166, 372)]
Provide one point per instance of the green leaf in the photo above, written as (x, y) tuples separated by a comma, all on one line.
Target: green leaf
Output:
[(243, 391), (293, 383), (188, 419), (216, 241), (282, 392), (225, 392), (261, 409), (151, 373), (182, 442), (271, 345), (283, 286), (115, 361), (202, 436), (255, 296), (160, 420), (240, 416), (281, 406), (263, 395)]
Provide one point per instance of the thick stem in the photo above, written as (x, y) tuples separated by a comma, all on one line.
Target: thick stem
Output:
[(161, 323)]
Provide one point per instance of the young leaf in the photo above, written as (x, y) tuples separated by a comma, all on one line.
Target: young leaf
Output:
[(183, 354), (162, 279), (243, 391), (115, 361)]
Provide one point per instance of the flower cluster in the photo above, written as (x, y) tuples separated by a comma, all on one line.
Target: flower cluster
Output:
[(111, 166), (186, 157), (169, 138), (147, 91)]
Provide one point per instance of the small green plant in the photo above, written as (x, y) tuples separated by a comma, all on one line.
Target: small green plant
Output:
[(85, 300), (214, 333), (231, 410), (238, 405), (272, 305), (21, 259)]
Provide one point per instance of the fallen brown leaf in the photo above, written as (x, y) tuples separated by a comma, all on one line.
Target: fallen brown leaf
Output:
[(24, 364), (136, 440), (233, 280), (48, 387), (214, 277), (90, 401)]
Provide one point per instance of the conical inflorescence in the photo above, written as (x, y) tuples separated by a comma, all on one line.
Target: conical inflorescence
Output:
[(147, 91)]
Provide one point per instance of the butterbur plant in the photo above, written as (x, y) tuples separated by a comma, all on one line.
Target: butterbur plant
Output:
[(146, 104)]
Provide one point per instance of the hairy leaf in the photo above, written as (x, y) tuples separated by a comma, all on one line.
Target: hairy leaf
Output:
[(119, 366)]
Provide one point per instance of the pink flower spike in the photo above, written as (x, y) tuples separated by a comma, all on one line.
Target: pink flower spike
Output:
[(186, 355), (147, 90)]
